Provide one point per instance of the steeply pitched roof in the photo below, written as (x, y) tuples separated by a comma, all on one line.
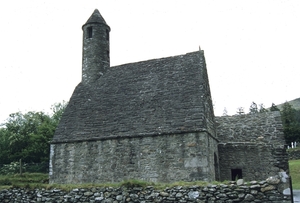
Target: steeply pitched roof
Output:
[(160, 96), (96, 18)]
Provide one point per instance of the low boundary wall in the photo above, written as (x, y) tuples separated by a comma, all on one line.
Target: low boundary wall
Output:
[(294, 154), (270, 190)]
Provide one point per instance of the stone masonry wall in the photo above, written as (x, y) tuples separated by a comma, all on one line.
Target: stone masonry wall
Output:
[(163, 158), (260, 127), (257, 161), (263, 191), (294, 154), (252, 143), (95, 49)]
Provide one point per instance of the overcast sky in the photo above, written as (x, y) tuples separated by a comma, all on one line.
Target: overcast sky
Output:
[(251, 47)]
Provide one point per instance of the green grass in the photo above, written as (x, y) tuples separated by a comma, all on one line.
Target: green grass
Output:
[(293, 149), (26, 180), (40, 180), (295, 173)]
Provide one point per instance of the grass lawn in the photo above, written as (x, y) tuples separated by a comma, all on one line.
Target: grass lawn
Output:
[(295, 173), (26, 180), (40, 180)]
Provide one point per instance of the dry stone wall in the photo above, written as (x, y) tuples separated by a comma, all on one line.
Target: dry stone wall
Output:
[(263, 191), (294, 154)]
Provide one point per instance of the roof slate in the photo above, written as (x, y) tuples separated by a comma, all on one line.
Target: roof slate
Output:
[(96, 17), (159, 96)]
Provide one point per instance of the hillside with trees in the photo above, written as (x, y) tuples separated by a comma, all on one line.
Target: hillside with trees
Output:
[(290, 115), (295, 103)]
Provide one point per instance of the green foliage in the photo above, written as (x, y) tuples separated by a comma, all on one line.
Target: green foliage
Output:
[(57, 111), (37, 167), (262, 108), (26, 136), (134, 183), (240, 111), (4, 149), (5, 181), (274, 108), (291, 127), (40, 180), (295, 104), (253, 108), (12, 168)]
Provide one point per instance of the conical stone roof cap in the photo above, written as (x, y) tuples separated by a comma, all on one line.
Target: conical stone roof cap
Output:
[(96, 18)]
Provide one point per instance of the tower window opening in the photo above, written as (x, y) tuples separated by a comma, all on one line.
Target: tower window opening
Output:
[(107, 53), (236, 174), (107, 35), (89, 32)]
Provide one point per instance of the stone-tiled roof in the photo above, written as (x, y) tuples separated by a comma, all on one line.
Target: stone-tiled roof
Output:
[(260, 127), (160, 96), (97, 18)]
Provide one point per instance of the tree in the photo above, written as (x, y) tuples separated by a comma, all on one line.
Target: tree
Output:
[(262, 108), (291, 127), (274, 108), (57, 111), (240, 111), (4, 149), (26, 136), (253, 108), (29, 135), (225, 113)]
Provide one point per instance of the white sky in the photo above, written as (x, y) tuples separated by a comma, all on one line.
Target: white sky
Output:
[(251, 47)]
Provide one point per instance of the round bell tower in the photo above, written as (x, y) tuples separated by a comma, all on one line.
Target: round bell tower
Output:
[(95, 50)]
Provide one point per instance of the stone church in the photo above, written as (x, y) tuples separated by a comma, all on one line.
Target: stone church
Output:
[(153, 120)]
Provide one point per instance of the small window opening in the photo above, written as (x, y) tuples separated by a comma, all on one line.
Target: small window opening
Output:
[(236, 174), (107, 35), (89, 32), (107, 53)]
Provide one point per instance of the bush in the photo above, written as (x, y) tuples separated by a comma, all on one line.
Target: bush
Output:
[(12, 168), (37, 167), (134, 183), (5, 181)]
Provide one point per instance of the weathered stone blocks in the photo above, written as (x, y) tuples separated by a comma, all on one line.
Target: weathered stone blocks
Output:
[(164, 158), (260, 192)]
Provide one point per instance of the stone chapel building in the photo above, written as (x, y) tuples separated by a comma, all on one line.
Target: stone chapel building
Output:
[(153, 120)]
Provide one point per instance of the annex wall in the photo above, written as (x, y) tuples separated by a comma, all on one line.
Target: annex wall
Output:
[(252, 161), (251, 146), (260, 127), (161, 158)]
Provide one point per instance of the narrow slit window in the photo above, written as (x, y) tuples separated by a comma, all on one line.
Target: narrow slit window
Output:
[(89, 32), (107, 53), (107, 35)]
